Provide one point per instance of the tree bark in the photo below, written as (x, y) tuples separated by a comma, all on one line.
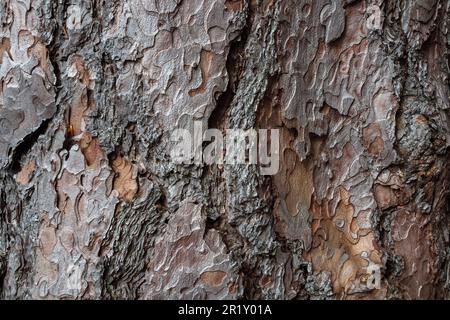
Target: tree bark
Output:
[(92, 207)]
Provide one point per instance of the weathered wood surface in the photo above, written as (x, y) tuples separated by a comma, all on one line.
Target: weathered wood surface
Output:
[(93, 208)]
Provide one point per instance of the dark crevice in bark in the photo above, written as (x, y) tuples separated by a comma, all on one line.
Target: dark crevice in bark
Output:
[(130, 239), (219, 118), (25, 146), (234, 65), (10, 209), (5, 220), (234, 241)]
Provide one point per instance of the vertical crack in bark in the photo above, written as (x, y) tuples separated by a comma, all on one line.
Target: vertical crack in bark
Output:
[(219, 119), (26, 145)]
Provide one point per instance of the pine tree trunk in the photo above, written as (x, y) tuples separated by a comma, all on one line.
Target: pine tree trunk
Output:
[(92, 207)]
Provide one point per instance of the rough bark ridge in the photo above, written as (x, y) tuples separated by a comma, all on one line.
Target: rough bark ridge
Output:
[(92, 207)]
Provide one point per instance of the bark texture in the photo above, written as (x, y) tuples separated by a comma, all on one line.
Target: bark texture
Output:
[(91, 207)]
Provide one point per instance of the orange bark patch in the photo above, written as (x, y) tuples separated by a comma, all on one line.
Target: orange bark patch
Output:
[(384, 196), (5, 46), (344, 213), (372, 139), (125, 178), (213, 278), (81, 103), (77, 112), (334, 253), (232, 287), (266, 281), (205, 67), (412, 236), (63, 187), (234, 5), (48, 240), (81, 106), (82, 72), (25, 175), (92, 151), (342, 243), (300, 183), (294, 181), (421, 119), (376, 147), (39, 50)]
